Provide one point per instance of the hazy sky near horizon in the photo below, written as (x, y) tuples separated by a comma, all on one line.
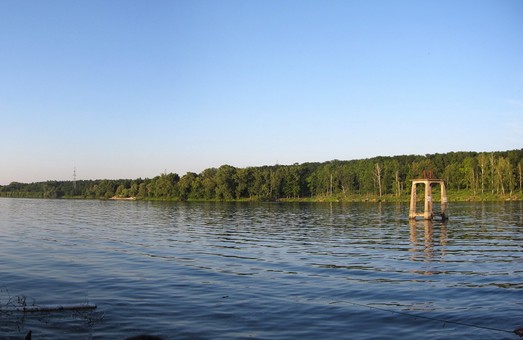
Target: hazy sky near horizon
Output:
[(128, 89)]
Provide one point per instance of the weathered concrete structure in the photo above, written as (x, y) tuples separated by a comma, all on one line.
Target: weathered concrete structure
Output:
[(428, 213)]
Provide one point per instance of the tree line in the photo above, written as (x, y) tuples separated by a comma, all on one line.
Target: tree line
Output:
[(497, 174)]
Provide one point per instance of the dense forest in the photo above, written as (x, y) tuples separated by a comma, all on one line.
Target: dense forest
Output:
[(469, 175)]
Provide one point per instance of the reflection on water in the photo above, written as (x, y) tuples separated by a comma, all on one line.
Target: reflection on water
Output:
[(425, 243), (263, 270)]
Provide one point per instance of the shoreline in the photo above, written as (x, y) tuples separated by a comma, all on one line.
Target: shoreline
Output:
[(452, 197), (119, 198)]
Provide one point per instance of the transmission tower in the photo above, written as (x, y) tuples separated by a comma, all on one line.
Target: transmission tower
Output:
[(74, 178)]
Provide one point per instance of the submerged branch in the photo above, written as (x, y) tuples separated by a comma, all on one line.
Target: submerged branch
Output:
[(47, 308)]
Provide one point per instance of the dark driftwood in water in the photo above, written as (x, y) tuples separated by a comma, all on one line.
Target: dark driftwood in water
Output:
[(48, 308)]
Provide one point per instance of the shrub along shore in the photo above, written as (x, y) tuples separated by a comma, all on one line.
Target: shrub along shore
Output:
[(469, 176)]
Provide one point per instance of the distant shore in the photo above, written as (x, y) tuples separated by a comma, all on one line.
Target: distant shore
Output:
[(460, 196), (468, 176)]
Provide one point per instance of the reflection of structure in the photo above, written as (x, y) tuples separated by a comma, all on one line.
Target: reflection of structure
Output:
[(428, 238), (428, 213)]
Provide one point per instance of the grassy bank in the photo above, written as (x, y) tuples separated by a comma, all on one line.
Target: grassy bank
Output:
[(453, 196)]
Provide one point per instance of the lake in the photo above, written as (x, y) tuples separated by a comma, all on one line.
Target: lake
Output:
[(260, 270)]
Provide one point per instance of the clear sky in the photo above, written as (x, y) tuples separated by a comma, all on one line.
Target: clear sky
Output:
[(128, 89)]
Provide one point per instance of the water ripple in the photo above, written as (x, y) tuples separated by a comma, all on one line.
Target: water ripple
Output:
[(263, 270)]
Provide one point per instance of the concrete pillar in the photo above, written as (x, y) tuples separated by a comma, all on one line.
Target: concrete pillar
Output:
[(428, 212), (412, 211), (444, 201)]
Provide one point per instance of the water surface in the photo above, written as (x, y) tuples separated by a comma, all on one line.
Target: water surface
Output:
[(261, 270)]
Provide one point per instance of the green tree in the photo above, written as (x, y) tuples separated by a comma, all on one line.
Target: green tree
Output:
[(469, 170), (504, 176), (292, 181), (261, 183), (142, 191), (163, 186), (243, 179), (121, 191), (186, 185), (225, 184), (209, 183), (105, 189), (483, 162)]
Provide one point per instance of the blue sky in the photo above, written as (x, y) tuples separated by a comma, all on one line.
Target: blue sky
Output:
[(128, 89)]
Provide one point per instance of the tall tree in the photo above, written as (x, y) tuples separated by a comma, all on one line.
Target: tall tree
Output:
[(483, 162), (469, 169), (225, 184), (185, 185), (520, 173), (377, 175), (209, 183)]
